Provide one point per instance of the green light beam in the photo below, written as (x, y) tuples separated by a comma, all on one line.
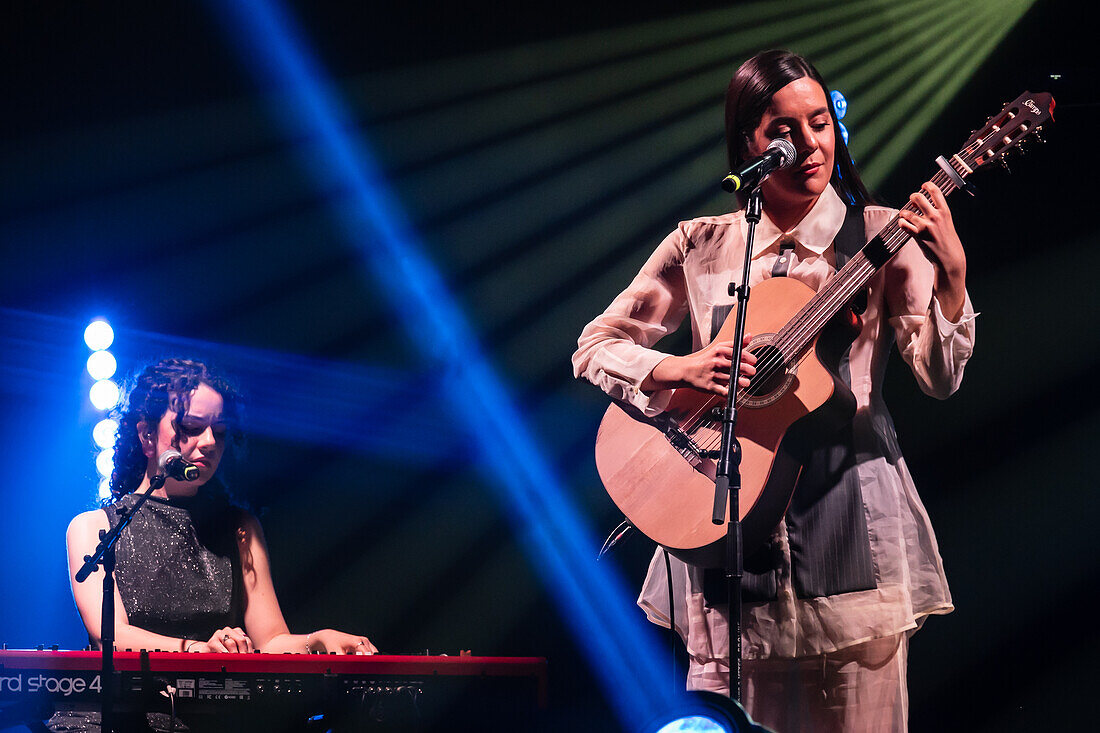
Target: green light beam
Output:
[(931, 95)]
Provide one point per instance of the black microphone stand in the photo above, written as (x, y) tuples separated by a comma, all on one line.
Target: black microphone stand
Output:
[(728, 470), (105, 555)]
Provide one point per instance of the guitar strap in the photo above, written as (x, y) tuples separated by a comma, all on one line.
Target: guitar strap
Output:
[(847, 244), (783, 263), (826, 527), (851, 237)]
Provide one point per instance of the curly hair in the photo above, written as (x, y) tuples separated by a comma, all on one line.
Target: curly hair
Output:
[(159, 387), (747, 98)]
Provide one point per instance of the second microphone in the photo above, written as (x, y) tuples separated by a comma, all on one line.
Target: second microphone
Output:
[(172, 465)]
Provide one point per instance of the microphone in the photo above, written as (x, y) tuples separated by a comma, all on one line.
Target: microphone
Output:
[(780, 154), (172, 465)]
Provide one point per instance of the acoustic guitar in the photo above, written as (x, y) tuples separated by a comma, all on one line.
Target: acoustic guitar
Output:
[(660, 471)]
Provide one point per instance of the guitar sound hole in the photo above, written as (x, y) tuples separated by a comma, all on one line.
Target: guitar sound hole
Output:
[(771, 373)]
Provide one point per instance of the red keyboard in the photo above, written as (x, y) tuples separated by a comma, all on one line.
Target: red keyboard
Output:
[(293, 684)]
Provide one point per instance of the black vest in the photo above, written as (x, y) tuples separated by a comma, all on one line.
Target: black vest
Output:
[(826, 526)]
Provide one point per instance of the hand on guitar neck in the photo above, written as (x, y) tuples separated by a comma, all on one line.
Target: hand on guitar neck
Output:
[(932, 228), (707, 370)]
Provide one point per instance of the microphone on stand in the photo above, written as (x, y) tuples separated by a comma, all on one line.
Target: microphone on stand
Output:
[(780, 154), (172, 465)]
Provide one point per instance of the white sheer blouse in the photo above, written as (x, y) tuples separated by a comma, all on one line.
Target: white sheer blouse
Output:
[(687, 276)]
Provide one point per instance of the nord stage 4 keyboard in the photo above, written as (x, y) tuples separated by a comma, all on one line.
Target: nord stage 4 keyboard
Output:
[(285, 691)]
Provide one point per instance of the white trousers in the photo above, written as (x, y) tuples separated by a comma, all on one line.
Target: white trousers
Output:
[(860, 689)]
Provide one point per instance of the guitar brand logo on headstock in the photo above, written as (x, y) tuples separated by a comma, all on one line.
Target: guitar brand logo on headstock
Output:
[(1033, 107)]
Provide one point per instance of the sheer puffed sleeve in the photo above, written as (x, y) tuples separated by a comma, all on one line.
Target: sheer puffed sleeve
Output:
[(934, 347), (614, 352)]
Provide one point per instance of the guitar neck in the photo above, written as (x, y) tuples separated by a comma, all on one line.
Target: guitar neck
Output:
[(795, 338), (1018, 120)]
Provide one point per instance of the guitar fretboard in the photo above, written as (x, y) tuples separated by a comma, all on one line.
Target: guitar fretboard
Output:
[(795, 338)]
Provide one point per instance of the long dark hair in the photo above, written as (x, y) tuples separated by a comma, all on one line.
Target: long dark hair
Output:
[(748, 96), (159, 387)]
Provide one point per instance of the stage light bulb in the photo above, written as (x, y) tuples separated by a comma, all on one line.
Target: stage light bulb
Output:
[(104, 394), (843, 132), (102, 365), (99, 335), (104, 433), (105, 488), (694, 724), (105, 462)]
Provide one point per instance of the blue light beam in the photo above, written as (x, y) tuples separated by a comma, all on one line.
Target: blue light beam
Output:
[(592, 598)]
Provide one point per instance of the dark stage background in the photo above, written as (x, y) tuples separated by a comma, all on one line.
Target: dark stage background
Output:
[(540, 150)]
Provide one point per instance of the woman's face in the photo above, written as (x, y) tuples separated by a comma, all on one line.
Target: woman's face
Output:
[(798, 112), (201, 440)]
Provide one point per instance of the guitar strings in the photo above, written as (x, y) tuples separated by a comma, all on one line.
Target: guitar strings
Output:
[(824, 306), (797, 334), (840, 288), (837, 291)]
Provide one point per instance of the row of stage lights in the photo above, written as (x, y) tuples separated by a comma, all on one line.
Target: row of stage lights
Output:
[(104, 395)]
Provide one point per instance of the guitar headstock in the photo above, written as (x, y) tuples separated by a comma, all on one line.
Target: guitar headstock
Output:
[(1007, 129)]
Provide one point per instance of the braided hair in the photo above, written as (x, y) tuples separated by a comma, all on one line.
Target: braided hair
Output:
[(159, 387)]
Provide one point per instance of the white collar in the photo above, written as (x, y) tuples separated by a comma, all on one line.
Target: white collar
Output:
[(815, 232)]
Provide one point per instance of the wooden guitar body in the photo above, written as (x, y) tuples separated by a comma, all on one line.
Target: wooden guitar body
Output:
[(669, 497)]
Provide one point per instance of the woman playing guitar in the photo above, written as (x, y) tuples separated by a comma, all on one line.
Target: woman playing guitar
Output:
[(852, 569)]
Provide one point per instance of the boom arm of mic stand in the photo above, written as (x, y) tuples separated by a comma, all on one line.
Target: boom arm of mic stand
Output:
[(108, 539)]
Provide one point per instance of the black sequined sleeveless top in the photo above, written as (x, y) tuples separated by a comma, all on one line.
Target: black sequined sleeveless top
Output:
[(178, 567)]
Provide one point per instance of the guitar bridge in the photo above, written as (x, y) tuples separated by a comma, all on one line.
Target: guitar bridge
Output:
[(682, 442)]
